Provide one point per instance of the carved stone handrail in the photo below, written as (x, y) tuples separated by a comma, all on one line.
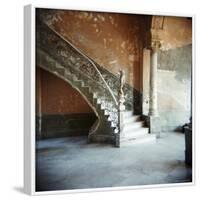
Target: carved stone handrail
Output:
[(93, 64), (81, 66), (113, 82)]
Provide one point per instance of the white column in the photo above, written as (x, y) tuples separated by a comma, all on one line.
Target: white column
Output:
[(153, 107), (146, 76)]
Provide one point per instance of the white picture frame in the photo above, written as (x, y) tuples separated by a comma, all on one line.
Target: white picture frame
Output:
[(29, 101)]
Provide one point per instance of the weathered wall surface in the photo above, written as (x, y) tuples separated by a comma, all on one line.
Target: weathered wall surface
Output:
[(174, 72), (113, 40), (174, 86), (61, 109), (177, 32)]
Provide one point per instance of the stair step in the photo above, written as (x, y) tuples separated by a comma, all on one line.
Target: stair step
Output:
[(106, 112), (127, 114), (89, 82), (58, 66), (85, 87), (98, 100), (59, 72), (131, 119), (83, 84), (74, 77), (113, 124), (116, 130), (67, 74), (149, 138), (135, 133), (77, 84), (133, 126), (95, 95)]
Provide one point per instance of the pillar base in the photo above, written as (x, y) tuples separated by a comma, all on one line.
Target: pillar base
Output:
[(153, 113), (154, 125)]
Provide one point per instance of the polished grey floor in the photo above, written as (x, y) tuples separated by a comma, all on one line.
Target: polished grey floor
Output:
[(71, 163)]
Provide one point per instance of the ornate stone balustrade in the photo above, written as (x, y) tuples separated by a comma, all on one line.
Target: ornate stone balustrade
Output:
[(101, 82)]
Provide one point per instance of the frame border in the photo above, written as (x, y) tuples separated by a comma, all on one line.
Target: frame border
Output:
[(29, 99)]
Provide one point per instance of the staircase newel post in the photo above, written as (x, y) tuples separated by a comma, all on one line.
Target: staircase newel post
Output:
[(121, 107)]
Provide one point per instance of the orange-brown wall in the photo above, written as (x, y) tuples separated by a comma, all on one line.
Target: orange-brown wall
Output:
[(55, 96), (117, 40), (113, 40), (177, 32)]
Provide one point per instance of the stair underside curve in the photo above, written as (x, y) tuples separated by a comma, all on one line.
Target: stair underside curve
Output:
[(60, 57), (102, 130)]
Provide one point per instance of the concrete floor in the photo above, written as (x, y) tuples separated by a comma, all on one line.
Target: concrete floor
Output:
[(71, 163)]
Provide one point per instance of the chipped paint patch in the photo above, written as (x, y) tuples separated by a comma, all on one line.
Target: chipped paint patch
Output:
[(113, 62), (94, 25), (111, 19), (85, 14), (123, 44), (131, 57), (95, 19), (102, 18), (104, 41), (90, 16)]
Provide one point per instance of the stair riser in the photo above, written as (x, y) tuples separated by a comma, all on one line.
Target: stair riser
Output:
[(133, 126), (131, 119), (86, 90), (60, 71), (135, 134), (127, 114)]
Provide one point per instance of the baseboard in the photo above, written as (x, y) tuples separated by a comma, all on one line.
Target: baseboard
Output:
[(59, 125)]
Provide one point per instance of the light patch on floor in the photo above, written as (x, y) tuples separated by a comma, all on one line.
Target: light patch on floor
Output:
[(72, 163)]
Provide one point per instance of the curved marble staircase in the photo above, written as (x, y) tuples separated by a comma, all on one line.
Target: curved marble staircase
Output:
[(63, 59)]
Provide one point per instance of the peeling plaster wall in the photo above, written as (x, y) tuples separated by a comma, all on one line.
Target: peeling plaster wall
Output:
[(174, 87), (174, 73), (177, 32), (113, 40)]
